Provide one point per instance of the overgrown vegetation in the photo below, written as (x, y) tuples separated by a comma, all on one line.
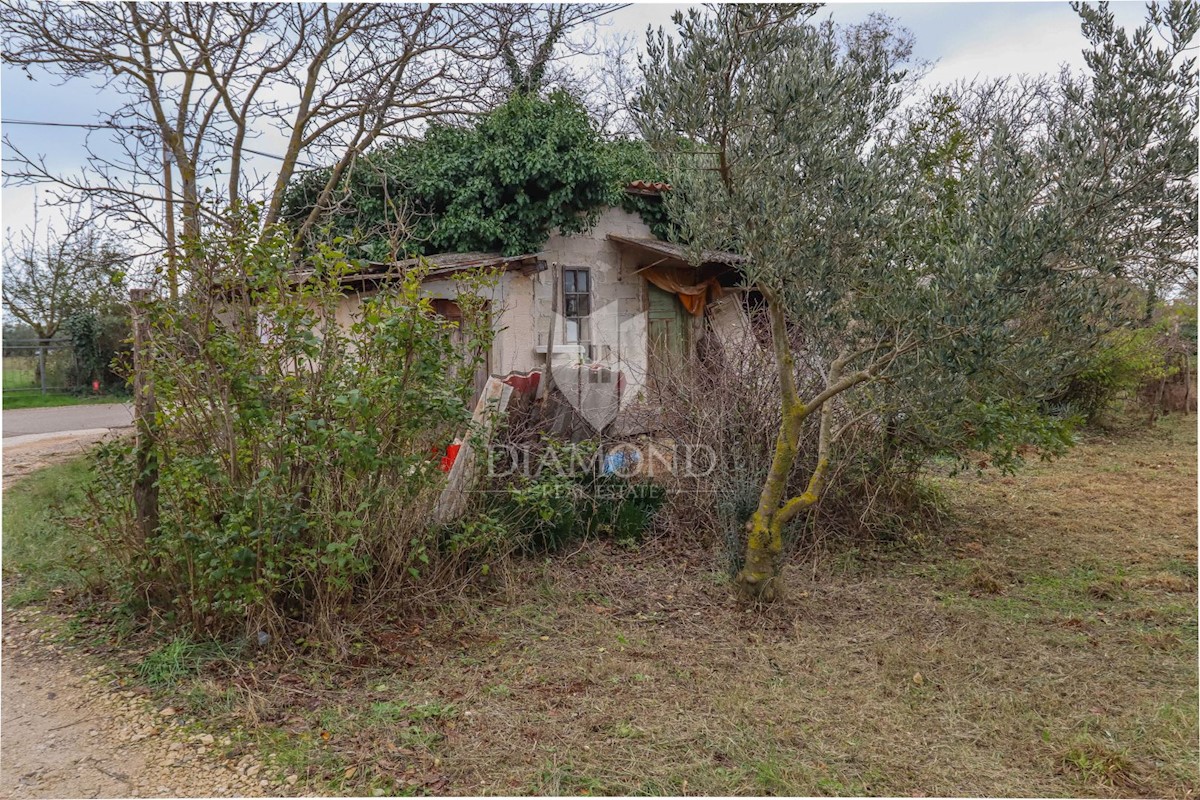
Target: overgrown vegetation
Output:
[(1148, 368), (593, 672), (503, 183), (724, 402), (938, 268), (543, 495), (295, 460)]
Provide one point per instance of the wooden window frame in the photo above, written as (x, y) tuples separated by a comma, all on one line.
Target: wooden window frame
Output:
[(582, 320)]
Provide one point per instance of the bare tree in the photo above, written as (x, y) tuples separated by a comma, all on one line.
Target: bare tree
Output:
[(200, 84), (611, 88), (50, 275), (537, 42)]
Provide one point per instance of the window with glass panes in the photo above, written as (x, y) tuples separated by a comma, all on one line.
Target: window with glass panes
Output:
[(577, 305)]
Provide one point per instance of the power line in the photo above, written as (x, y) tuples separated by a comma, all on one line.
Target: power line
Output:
[(96, 126), (59, 124)]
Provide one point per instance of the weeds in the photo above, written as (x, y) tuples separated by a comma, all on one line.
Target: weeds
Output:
[(1095, 762), (43, 551), (294, 453), (178, 659)]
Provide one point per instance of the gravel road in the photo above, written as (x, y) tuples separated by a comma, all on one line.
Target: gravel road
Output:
[(37, 437), (25, 454)]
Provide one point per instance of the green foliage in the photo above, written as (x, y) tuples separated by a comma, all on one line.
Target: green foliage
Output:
[(99, 344), (176, 660), (296, 456), (566, 496), (505, 183), (527, 168), (1127, 361), (960, 255), (630, 160), (1134, 368), (43, 547)]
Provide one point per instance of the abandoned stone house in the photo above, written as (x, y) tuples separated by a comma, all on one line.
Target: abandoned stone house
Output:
[(607, 312)]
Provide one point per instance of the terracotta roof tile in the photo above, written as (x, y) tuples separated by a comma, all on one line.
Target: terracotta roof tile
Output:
[(647, 187)]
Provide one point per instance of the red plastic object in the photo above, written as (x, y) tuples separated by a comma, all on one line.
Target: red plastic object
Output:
[(95, 386), (451, 455)]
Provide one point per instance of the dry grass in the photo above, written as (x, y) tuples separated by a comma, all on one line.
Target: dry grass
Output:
[(1048, 647)]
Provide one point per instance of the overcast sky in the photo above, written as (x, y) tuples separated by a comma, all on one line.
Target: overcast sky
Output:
[(961, 40)]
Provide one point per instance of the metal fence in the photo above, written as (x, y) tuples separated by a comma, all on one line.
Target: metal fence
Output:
[(36, 366)]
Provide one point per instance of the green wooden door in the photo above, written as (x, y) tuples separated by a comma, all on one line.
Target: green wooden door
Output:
[(666, 330)]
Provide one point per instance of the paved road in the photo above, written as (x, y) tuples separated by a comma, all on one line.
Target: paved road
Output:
[(26, 421)]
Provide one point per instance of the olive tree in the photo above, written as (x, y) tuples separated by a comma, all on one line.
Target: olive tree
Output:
[(945, 253)]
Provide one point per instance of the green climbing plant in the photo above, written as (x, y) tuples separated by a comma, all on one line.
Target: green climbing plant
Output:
[(531, 167)]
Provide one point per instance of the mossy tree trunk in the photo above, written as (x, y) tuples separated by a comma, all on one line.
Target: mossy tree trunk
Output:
[(759, 579)]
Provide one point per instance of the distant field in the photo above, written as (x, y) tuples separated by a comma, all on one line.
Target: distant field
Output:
[(22, 387), (18, 373), (15, 400), (20, 378)]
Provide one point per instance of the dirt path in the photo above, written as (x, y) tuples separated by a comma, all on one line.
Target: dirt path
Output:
[(71, 730), (25, 454), (37, 437)]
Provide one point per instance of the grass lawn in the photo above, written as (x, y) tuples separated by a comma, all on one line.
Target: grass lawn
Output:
[(15, 400), (1046, 646)]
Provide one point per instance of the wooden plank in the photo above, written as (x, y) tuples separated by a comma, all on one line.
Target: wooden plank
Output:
[(492, 404)]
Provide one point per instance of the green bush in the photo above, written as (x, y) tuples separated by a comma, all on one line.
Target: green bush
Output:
[(100, 343), (296, 456), (566, 497), (1128, 360)]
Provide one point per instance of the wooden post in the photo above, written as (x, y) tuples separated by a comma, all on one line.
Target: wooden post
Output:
[(169, 214), (42, 364), (145, 481), (548, 379)]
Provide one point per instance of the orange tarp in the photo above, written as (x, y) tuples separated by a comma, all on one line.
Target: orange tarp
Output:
[(680, 282)]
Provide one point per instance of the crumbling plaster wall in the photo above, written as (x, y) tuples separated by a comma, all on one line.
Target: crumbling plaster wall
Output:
[(523, 305)]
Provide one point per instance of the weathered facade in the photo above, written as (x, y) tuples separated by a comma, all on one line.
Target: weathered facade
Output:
[(609, 306)]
